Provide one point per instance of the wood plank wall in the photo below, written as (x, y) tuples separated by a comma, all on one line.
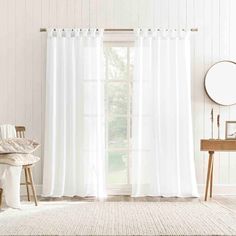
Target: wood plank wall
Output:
[(23, 54)]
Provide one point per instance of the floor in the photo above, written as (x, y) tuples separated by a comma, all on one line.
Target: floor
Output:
[(227, 201), (122, 215)]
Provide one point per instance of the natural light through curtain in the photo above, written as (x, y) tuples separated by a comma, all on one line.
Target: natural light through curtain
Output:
[(74, 156), (162, 143)]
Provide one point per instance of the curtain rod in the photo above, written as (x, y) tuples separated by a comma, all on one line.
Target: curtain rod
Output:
[(110, 30)]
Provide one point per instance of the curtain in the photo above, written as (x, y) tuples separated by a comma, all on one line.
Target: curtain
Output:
[(162, 142), (74, 149)]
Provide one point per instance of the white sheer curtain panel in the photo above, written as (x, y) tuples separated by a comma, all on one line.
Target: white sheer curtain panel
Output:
[(74, 150), (162, 152)]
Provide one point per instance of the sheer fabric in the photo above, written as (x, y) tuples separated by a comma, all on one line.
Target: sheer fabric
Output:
[(74, 150), (162, 143)]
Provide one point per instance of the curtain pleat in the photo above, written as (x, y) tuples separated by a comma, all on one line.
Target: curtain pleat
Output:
[(162, 142), (74, 149)]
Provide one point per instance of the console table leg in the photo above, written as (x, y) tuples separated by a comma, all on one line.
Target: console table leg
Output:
[(212, 172), (209, 171)]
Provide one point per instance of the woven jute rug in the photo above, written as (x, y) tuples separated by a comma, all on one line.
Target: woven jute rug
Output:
[(119, 218)]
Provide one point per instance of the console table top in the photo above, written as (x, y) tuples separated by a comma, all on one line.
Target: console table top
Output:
[(220, 145)]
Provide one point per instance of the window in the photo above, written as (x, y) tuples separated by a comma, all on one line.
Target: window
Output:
[(118, 87)]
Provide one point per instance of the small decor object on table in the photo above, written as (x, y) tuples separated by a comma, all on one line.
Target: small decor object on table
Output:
[(1, 190), (218, 125), (230, 130), (212, 121)]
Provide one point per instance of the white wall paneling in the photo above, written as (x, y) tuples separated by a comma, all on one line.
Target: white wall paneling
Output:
[(23, 57), (232, 56)]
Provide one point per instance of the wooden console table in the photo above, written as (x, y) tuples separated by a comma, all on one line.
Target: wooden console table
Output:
[(212, 145)]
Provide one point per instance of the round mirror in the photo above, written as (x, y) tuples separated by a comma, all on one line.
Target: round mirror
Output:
[(220, 83)]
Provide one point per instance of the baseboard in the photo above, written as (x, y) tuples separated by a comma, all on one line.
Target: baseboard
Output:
[(218, 189)]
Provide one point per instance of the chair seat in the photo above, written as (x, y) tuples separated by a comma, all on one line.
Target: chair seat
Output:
[(16, 159)]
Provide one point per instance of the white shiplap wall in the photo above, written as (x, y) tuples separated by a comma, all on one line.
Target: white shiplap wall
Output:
[(23, 53)]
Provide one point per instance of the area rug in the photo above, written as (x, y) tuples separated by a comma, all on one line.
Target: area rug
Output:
[(119, 218)]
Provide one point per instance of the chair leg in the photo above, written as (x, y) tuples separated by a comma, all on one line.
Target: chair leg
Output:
[(32, 185), (1, 191), (26, 183)]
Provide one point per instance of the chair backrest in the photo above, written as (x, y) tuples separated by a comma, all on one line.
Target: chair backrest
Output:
[(20, 131)]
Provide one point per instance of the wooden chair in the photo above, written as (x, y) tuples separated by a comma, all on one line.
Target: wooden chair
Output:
[(20, 133)]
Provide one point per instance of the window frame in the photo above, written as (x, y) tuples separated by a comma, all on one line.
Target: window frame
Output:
[(119, 40)]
